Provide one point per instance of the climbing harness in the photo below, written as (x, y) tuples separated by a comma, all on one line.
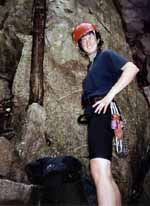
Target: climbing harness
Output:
[(117, 125), (121, 146), (82, 119)]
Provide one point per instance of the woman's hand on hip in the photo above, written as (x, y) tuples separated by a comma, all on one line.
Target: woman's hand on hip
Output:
[(102, 105)]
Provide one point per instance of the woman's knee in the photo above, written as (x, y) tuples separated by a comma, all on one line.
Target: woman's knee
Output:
[(100, 168)]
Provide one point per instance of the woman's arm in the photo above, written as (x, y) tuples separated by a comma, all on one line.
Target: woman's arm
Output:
[(129, 72)]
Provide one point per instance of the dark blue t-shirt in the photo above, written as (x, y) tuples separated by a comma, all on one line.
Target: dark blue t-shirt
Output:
[(103, 73)]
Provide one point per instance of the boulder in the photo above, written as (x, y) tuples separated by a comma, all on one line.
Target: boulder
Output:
[(14, 192)]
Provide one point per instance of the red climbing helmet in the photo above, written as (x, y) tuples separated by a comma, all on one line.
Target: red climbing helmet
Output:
[(82, 29)]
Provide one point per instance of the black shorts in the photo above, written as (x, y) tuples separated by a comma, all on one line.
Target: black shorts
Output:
[(100, 135)]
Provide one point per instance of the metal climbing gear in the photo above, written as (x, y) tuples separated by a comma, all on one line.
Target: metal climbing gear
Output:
[(117, 125)]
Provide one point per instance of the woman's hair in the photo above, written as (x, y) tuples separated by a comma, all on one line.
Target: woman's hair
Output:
[(99, 45)]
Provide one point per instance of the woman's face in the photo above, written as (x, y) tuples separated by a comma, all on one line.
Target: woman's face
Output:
[(89, 43)]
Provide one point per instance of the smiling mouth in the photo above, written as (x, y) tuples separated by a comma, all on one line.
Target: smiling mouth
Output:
[(90, 47)]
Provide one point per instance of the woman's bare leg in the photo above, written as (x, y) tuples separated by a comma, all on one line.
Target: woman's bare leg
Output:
[(107, 191)]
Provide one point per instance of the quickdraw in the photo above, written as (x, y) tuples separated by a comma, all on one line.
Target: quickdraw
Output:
[(117, 125)]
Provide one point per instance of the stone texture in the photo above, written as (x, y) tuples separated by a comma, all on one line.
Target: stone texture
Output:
[(10, 54), (3, 15), (19, 16), (33, 135), (10, 165), (136, 21), (20, 87), (20, 91), (14, 192), (4, 89), (5, 157)]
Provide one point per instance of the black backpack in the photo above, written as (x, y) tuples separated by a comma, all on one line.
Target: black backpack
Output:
[(59, 179)]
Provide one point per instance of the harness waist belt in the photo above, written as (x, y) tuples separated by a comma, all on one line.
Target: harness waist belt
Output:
[(90, 101)]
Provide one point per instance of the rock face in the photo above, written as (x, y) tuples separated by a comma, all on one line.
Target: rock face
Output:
[(11, 167), (136, 21), (52, 129), (33, 136), (14, 192), (10, 55)]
